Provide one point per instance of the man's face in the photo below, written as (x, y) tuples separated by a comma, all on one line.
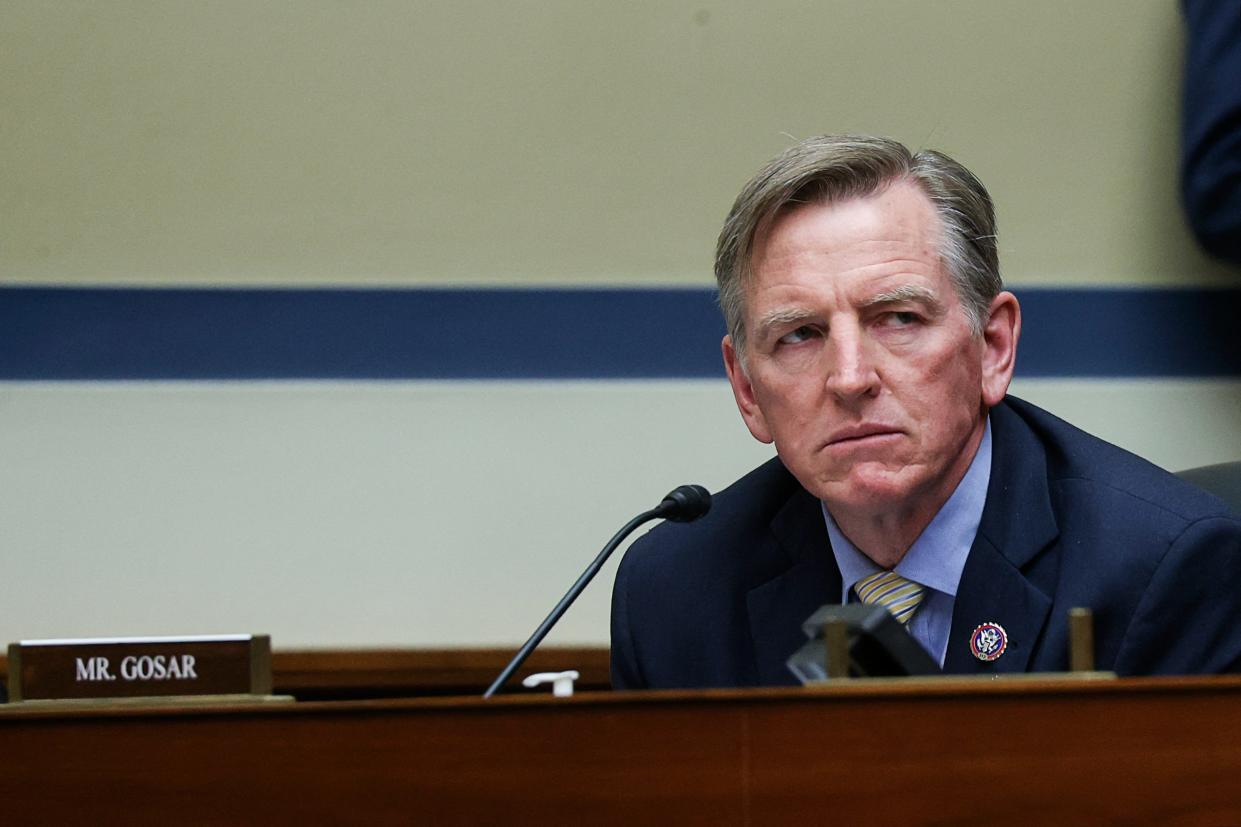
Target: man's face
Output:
[(861, 363)]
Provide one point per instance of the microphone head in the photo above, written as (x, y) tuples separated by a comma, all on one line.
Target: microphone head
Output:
[(685, 503)]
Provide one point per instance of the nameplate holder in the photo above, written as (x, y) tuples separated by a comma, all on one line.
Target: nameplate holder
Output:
[(138, 667)]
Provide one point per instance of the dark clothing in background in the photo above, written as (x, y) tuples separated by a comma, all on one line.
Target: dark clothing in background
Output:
[(1211, 125)]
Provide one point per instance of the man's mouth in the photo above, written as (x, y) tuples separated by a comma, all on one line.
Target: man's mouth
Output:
[(860, 434)]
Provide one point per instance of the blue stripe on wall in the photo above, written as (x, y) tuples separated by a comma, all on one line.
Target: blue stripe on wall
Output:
[(52, 333)]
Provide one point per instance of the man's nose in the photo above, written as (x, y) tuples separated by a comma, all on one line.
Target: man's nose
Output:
[(851, 370)]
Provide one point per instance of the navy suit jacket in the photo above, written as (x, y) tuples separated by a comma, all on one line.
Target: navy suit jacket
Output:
[(1069, 521)]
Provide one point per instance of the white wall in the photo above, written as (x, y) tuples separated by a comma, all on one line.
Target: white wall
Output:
[(244, 142), (405, 514)]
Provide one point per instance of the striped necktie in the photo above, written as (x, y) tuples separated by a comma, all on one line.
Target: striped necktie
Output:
[(899, 596)]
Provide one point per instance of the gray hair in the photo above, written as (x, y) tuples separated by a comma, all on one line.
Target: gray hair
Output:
[(831, 168)]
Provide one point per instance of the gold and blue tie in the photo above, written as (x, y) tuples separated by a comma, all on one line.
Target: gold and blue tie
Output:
[(899, 596)]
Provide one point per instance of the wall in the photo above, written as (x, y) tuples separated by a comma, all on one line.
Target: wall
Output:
[(478, 144)]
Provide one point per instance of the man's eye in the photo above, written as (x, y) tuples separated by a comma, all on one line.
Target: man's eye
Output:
[(801, 334), (901, 318)]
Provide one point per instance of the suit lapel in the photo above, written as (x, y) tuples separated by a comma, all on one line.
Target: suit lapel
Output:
[(992, 590), (1017, 524), (807, 578)]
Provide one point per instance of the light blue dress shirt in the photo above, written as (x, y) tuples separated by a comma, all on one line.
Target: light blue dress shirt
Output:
[(937, 557)]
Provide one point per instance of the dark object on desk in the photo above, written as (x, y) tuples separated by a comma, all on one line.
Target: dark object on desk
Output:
[(878, 645), (1222, 480)]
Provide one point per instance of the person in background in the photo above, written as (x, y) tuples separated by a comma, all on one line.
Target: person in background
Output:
[(1211, 126)]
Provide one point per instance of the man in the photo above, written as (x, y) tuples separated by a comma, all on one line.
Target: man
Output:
[(870, 340)]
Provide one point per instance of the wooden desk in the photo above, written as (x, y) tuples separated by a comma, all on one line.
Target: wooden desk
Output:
[(352, 674), (340, 674), (1156, 751)]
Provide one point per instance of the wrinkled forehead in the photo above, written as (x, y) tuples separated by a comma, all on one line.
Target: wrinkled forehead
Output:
[(898, 221), (835, 194)]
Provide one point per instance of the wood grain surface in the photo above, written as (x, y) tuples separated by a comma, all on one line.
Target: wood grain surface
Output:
[(946, 751), (350, 674)]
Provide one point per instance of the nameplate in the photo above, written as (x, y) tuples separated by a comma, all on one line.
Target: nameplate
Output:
[(150, 667)]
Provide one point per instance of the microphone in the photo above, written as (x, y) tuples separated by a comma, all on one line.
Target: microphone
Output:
[(685, 503), (682, 505)]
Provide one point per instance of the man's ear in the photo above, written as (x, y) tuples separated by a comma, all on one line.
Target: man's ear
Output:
[(743, 392), (1000, 333)]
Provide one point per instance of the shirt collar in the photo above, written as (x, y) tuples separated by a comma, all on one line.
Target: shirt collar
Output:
[(937, 558)]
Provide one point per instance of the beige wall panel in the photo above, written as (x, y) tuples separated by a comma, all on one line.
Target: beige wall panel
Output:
[(578, 141)]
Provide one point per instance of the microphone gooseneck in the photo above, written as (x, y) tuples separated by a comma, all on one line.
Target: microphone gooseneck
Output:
[(683, 504)]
